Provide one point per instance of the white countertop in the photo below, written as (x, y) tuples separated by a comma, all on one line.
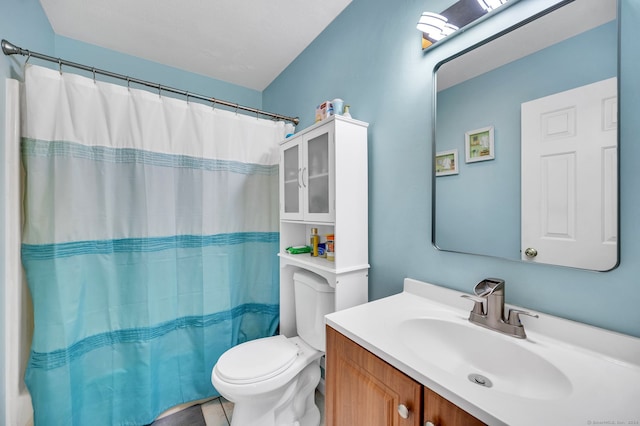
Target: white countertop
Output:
[(602, 367)]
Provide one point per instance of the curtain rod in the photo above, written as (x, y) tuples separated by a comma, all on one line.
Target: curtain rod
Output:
[(11, 49)]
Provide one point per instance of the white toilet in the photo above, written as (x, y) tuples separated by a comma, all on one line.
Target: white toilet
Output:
[(272, 380)]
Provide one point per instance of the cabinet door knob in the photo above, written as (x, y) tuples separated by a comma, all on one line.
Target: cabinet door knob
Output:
[(429, 424), (403, 411)]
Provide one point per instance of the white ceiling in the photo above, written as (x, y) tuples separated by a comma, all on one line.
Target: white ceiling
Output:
[(244, 42)]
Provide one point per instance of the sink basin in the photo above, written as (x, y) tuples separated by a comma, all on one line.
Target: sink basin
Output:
[(564, 373), (466, 350)]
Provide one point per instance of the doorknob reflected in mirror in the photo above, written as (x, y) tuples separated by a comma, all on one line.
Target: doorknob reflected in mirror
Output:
[(531, 252)]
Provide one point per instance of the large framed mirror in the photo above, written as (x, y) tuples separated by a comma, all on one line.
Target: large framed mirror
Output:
[(526, 141)]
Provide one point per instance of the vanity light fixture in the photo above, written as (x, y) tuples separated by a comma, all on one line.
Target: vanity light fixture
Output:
[(489, 5), (448, 29), (435, 26), (462, 13)]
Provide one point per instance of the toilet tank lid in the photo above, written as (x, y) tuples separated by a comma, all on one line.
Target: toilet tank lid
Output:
[(314, 281), (256, 360)]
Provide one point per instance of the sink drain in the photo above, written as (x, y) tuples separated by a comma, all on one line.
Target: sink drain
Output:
[(479, 379)]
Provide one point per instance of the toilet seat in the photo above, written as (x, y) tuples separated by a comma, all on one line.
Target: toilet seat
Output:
[(256, 360)]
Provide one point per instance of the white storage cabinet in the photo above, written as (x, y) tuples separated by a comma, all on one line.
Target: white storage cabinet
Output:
[(324, 184)]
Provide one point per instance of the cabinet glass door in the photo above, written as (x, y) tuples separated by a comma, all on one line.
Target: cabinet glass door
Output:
[(291, 187), (318, 173)]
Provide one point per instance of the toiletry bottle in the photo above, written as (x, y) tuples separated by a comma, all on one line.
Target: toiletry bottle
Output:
[(315, 239), (331, 250), (346, 112)]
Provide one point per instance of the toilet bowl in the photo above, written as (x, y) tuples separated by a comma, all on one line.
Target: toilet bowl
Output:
[(272, 380)]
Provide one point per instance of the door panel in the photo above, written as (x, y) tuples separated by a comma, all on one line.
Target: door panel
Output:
[(292, 171), (442, 412), (363, 390), (569, 177), (318, 182)]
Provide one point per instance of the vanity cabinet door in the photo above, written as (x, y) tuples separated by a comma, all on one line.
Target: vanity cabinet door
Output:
[(363, 390), (440, 412)]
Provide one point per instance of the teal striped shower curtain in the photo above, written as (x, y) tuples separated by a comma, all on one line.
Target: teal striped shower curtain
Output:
[(149, 245)]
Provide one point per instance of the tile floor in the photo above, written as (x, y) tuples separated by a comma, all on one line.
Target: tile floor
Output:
[(217, 412)]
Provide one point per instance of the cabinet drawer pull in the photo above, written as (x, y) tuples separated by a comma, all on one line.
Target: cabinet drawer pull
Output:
[(403, 411)]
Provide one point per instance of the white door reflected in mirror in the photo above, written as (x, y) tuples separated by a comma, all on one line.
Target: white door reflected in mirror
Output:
[(569, 177)]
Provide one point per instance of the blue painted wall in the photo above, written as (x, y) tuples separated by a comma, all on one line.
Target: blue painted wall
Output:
[(370, 56), (480, 221)]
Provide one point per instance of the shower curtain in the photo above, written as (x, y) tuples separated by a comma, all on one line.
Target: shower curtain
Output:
[(149, 245)]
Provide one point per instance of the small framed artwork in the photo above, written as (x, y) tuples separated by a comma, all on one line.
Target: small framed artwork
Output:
[(447, 162), (479, 145)]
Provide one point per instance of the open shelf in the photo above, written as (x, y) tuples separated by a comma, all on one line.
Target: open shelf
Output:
[(306, 261)]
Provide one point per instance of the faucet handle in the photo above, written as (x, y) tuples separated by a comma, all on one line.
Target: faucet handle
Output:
[(514, 316), (478, 305), (489, 286)]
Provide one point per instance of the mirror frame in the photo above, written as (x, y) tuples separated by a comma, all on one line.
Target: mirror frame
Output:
[(434, 150)]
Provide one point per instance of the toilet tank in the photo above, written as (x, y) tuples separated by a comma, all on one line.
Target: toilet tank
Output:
[(314, 299)]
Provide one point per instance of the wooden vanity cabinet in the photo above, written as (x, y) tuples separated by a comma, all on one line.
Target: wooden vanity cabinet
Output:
[(441, 412), (363, 390)]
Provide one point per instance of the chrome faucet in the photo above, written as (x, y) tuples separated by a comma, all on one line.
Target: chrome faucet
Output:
[(491, 291)]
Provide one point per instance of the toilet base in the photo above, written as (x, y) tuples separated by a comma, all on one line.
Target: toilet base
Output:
[(295, 406)]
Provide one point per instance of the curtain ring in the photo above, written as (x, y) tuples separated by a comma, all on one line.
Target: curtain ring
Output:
[(28, 57), (60, 65), (128, 83), (213, 104), (160, 91), (93, 70), (237, 106), (187, 94), (257, 115)]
